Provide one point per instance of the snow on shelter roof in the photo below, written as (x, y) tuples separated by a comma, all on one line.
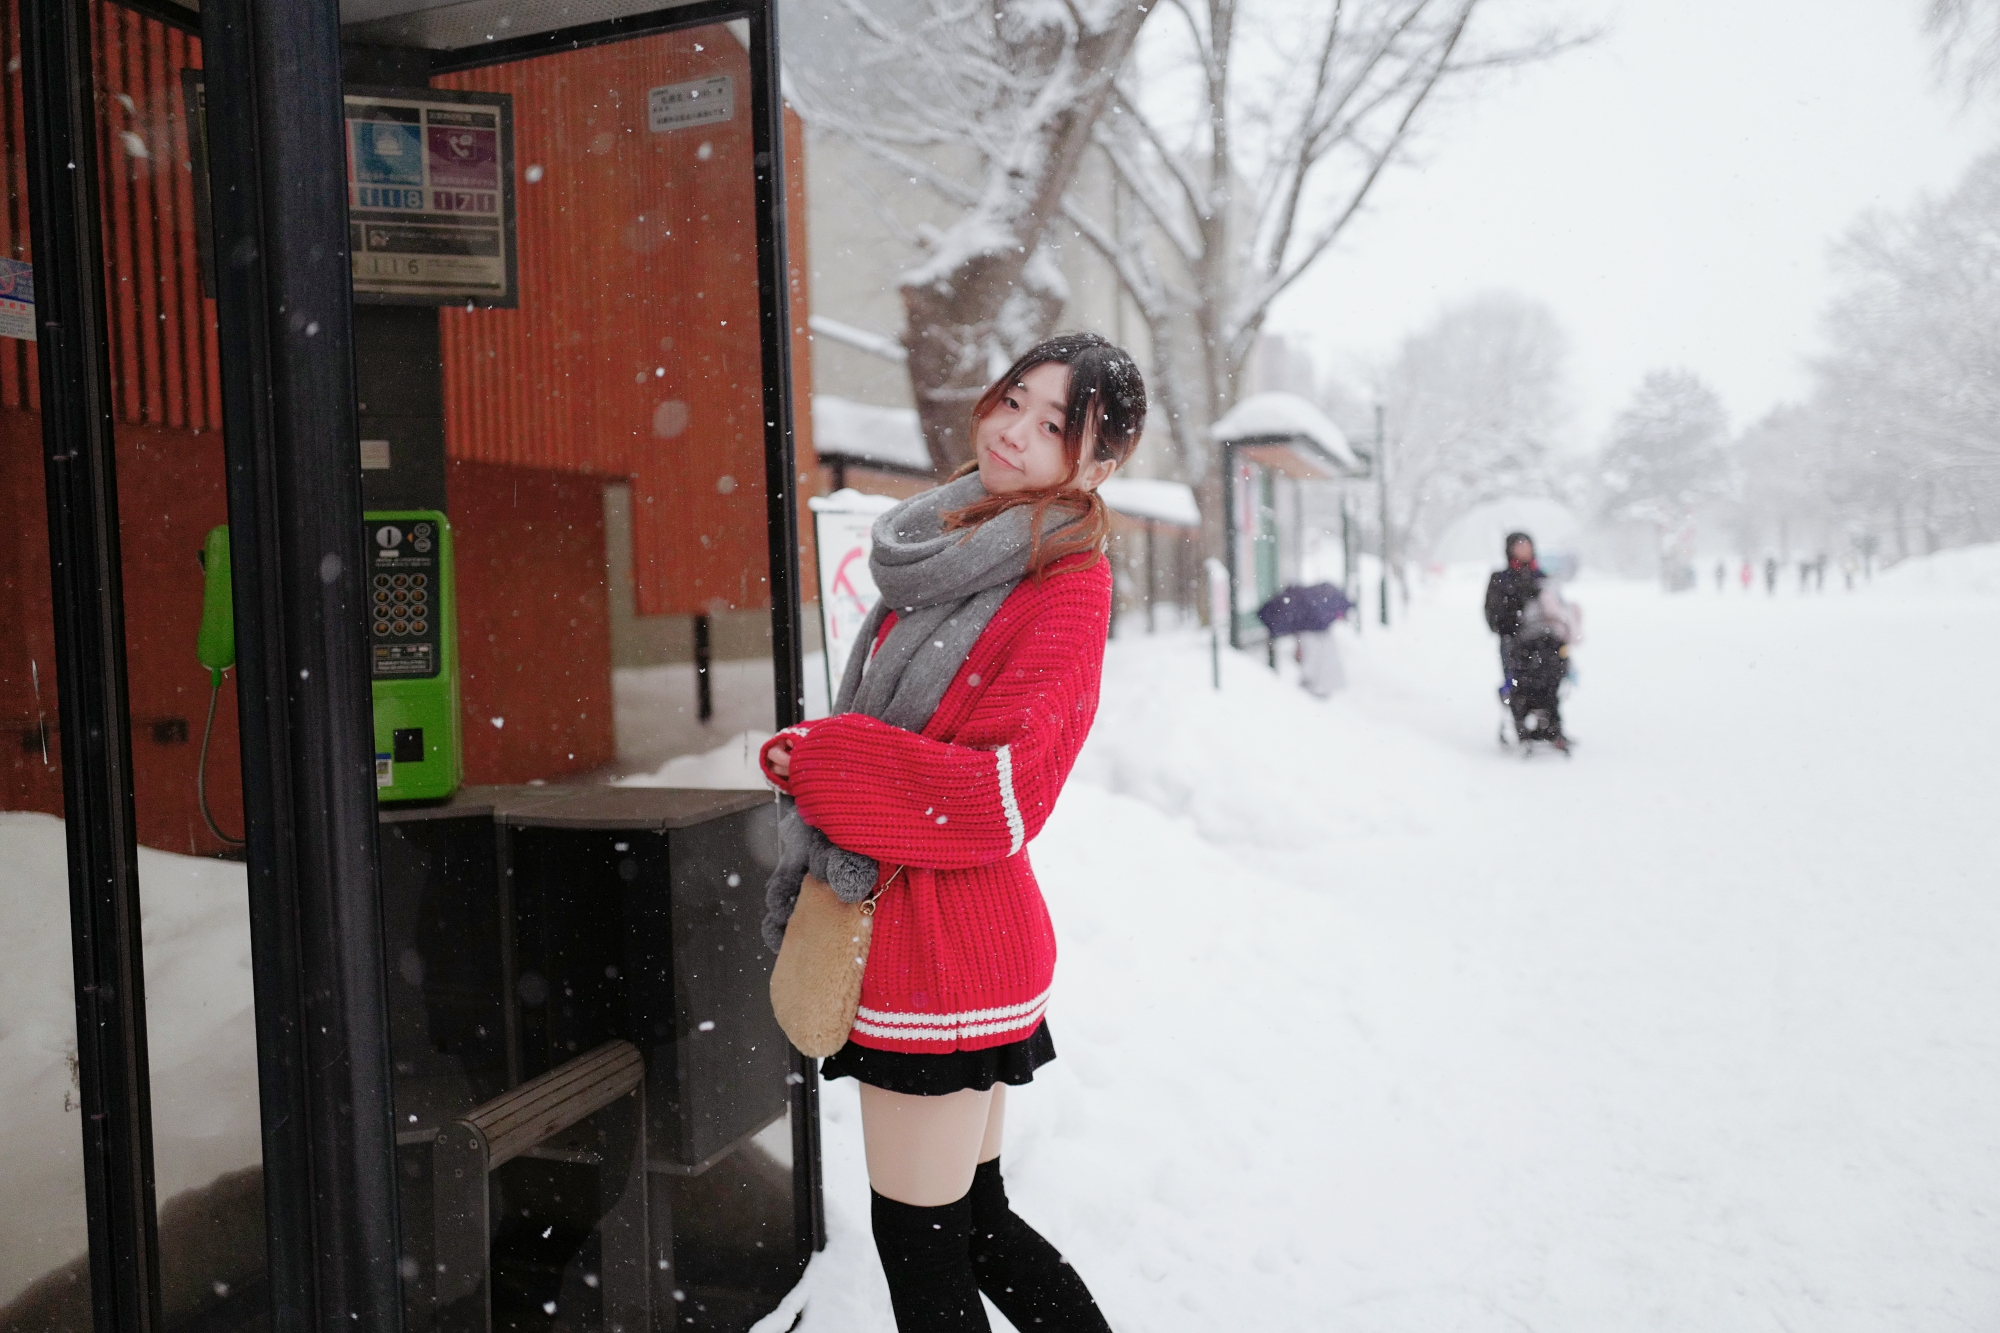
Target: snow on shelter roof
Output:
[(863, 433), (1286, 418), (1145, 497)]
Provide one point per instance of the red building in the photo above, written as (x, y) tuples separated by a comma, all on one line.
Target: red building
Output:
[(633, 357)]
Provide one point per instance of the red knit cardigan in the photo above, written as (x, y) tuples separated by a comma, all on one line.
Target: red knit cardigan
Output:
[(964, 951)]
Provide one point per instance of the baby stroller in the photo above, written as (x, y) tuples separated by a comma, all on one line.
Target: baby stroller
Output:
[(1535, 665), (1531, 691)]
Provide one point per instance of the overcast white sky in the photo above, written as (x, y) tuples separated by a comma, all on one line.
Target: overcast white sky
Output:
[(1671, 193)]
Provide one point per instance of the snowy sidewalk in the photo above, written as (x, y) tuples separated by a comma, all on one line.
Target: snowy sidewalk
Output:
[(1367, 1026)]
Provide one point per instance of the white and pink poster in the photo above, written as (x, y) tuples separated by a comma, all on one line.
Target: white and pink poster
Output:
[(841, 525)]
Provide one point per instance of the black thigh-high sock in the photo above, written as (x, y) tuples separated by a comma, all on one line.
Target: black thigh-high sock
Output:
[(1022, 1274), (926, 1258)]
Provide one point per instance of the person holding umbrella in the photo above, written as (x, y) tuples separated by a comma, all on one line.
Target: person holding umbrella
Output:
[(1309, 614)]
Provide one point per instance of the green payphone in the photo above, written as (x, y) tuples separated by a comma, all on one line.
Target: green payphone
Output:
[(412, 650), (413, 655)]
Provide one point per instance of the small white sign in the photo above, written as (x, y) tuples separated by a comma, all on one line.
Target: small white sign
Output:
[(844, 524), (375, 456), (699, 102)]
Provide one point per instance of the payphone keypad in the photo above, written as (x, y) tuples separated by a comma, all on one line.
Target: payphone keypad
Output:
[(403, 610)]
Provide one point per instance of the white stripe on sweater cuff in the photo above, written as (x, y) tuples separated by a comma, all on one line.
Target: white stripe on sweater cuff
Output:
[(1015, 828)]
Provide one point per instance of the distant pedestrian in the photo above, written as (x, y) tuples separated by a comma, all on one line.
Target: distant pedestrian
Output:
[(1536, 628), (1819, 572), (1771, 575), (1721, 574), (1748, 576), (1320, 670), (1308, 615)]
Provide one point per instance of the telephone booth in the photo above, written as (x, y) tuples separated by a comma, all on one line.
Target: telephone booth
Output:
[(396, 410)]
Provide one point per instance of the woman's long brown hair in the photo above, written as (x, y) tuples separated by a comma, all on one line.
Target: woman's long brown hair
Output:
[(1105, 409)]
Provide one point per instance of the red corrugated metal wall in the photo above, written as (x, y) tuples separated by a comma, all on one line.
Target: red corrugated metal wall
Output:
[(162, 329), (635, 351), (638, 253), (18, 385)]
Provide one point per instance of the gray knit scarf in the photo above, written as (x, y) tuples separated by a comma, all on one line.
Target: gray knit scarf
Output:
[(944, 588)]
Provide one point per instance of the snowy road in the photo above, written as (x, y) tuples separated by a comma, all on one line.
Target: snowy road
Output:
[(1366, 1026)]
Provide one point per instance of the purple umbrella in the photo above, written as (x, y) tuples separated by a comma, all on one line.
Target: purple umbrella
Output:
[(1303, 610)]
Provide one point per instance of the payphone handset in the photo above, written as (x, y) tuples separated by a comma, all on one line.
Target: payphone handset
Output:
[(412, 652)]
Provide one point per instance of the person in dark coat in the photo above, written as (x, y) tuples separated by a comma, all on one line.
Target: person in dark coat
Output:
[(1510, 590), (1531, 662)]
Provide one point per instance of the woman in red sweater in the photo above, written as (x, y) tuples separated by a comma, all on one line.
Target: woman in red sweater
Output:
[(953, 731)]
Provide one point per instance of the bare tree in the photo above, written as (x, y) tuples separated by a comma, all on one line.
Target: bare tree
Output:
[(1471, 402), (1909, 389), (992, 105), (1967, 34), (1245, 139), (1667, 457)]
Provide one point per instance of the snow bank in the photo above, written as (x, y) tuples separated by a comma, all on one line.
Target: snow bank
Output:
[(847, 500), (1148, 497), (1967, 570), (868, 434), (202, 1041), (1277, 417), (731, 766)]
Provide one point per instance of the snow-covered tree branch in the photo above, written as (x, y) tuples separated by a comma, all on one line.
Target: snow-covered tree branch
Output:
[(1251, 133), (991, 105)]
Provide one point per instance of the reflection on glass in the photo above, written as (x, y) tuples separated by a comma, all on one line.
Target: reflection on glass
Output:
[(166, 401), (44, 1279), (560, 370)]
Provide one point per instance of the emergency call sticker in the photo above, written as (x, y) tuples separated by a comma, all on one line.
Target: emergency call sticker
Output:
[(385, 770)]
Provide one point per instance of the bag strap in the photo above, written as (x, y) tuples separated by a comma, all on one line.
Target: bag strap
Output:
[(868, 904)]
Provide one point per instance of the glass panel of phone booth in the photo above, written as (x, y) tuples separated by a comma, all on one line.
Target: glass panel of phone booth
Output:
[(558, 354), (44, 1278), (166, 402)]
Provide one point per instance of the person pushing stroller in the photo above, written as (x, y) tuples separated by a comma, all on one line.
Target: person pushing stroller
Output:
[(1536, 627)]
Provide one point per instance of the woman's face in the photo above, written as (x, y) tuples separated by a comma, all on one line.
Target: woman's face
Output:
[(1019, 443)]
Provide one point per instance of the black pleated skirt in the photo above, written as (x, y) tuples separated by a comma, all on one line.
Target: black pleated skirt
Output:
[(952, 1071)]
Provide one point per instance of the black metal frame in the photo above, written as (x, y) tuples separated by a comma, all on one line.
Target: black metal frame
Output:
[(89, 614), (279, 197), (605, 31)]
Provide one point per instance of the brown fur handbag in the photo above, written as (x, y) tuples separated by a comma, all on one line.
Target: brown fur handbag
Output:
[(816, 984)]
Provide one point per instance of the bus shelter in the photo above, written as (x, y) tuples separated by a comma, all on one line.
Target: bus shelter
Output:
[(1272, 445), (396, 409)]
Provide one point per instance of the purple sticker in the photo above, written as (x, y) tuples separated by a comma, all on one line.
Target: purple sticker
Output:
[(464, 157)]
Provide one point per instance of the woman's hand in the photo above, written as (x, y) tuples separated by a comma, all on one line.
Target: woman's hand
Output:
[(776, 757)]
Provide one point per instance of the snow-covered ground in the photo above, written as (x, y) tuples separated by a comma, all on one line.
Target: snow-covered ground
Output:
[(1367, 1026), (201, 1038)]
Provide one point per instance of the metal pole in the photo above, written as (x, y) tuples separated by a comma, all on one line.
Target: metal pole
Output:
[(1152, 569), (87, 618), (284, 306), (1350, 553), (1382, 480), (1228, 546)]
